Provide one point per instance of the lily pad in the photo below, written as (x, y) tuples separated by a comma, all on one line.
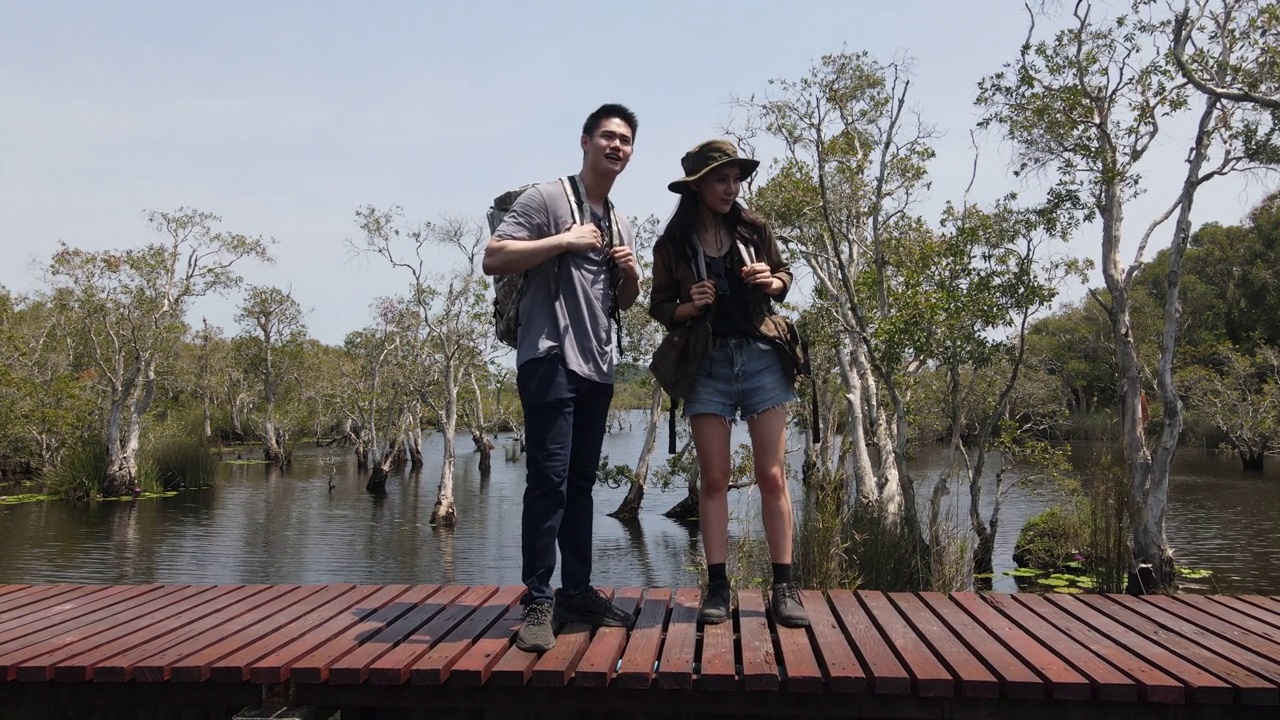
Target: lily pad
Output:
[(1194, 573), (24, 498), (984, 576), (1052, 582), (1024, 572), (1069, 590)]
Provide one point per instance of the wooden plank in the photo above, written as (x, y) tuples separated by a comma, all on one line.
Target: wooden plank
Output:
[(798, 666), (1263, 647), (886, 674), (1108, 683), (717, 669), (555, 667), (675, 666), (1015, 678), (35, 593), (42, 629), (119, 667), (83, 667), (234, 667), (8, 589), (596, 668), (353, 668), (51, 604), (435, 667), (636, 670), (392, 667), (1237, 619), (1266, 602), (38, 660), (972, 677), (930, 678), (335, 636), (1161, 677), (759, 664), (1268, 611), (1258, 615), (1212, 655), (476, 666), (829, 652), (1062, 681), (192, 662)]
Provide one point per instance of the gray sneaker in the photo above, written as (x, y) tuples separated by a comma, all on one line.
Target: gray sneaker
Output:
[(535, 631), (787, 610)]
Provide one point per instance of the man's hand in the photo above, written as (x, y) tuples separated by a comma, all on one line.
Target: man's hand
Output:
[(583, 238), (625, 260)]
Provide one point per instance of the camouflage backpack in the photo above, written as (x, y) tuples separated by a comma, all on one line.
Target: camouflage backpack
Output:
[(508, 289)]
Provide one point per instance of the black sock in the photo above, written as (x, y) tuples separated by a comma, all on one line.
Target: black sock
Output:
[(717, 573), (781, 573)]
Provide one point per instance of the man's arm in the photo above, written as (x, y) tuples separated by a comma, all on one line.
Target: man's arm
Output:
[(508, 256)]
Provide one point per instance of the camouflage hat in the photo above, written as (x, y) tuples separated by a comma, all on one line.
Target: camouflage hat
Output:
[(708, 156)]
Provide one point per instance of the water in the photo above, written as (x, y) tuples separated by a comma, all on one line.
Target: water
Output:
[(259, 525)]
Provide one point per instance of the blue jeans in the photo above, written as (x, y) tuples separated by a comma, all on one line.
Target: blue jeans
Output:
[(565, 416), (739, 374)]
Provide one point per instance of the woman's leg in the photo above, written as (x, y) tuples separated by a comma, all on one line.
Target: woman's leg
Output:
[(711, 441), (768, 448)]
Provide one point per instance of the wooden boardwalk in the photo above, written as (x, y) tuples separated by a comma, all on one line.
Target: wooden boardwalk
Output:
[(64, 648)]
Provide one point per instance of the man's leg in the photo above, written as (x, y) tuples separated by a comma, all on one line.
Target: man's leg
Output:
[(579, 602), (548, 411)]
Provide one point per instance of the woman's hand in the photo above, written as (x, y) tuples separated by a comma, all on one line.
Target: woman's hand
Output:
[(702, 294), (759, 275)]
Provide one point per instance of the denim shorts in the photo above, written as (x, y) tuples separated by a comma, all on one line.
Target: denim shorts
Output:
[(739, 374)]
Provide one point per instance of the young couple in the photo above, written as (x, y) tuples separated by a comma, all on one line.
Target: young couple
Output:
[(715, 256)]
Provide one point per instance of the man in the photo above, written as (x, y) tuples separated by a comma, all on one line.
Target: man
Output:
[(565, 366)]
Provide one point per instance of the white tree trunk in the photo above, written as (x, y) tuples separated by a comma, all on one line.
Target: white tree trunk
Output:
[(444, 514)]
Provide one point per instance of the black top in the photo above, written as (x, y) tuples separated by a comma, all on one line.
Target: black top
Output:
[(732, 317)]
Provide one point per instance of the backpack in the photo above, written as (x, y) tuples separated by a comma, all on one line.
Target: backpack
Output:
[(509, 289)]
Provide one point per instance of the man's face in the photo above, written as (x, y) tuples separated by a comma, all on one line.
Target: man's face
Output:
[(609, 149)]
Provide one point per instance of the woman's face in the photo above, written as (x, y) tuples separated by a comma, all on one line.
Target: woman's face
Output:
[(719, 188)]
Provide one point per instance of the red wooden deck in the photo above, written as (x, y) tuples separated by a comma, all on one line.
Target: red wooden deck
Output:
[(866, 654)]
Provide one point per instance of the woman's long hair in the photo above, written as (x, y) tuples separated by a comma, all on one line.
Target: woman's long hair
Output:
[(743, 222)]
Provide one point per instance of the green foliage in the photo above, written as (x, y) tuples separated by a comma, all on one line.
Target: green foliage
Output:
[(82, 473), (183, 461), (1050, 539)]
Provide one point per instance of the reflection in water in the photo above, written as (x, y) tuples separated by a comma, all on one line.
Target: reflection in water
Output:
[(261, 525)]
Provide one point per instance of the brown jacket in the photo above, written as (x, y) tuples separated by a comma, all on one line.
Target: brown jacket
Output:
[(673, 276)]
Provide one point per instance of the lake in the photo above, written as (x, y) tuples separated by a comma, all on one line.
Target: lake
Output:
[(259, 525)]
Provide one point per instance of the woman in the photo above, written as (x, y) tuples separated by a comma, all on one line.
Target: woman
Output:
[(718, 262)]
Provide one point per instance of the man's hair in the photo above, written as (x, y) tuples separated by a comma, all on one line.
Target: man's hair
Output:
[(606, 112)]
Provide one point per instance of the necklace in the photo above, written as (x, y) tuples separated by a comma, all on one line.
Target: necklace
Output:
[(718, 237)]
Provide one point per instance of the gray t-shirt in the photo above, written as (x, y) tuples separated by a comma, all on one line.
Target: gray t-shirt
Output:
[(575, 322)]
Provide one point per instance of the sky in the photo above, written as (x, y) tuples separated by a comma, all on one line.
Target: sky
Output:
[(284, 118)]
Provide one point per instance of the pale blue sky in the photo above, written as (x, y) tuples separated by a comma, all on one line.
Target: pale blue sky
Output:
[(284, 117)]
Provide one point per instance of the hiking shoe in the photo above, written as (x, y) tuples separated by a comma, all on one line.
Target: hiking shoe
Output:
[(592, 607), (715, 604), (535, 632), (787, 610)]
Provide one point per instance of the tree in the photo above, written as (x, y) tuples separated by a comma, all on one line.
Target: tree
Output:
[(450, 313), (275, 318), (129, 306), (1250, 74), (640, 335), (1088, 104), (854, 161)]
